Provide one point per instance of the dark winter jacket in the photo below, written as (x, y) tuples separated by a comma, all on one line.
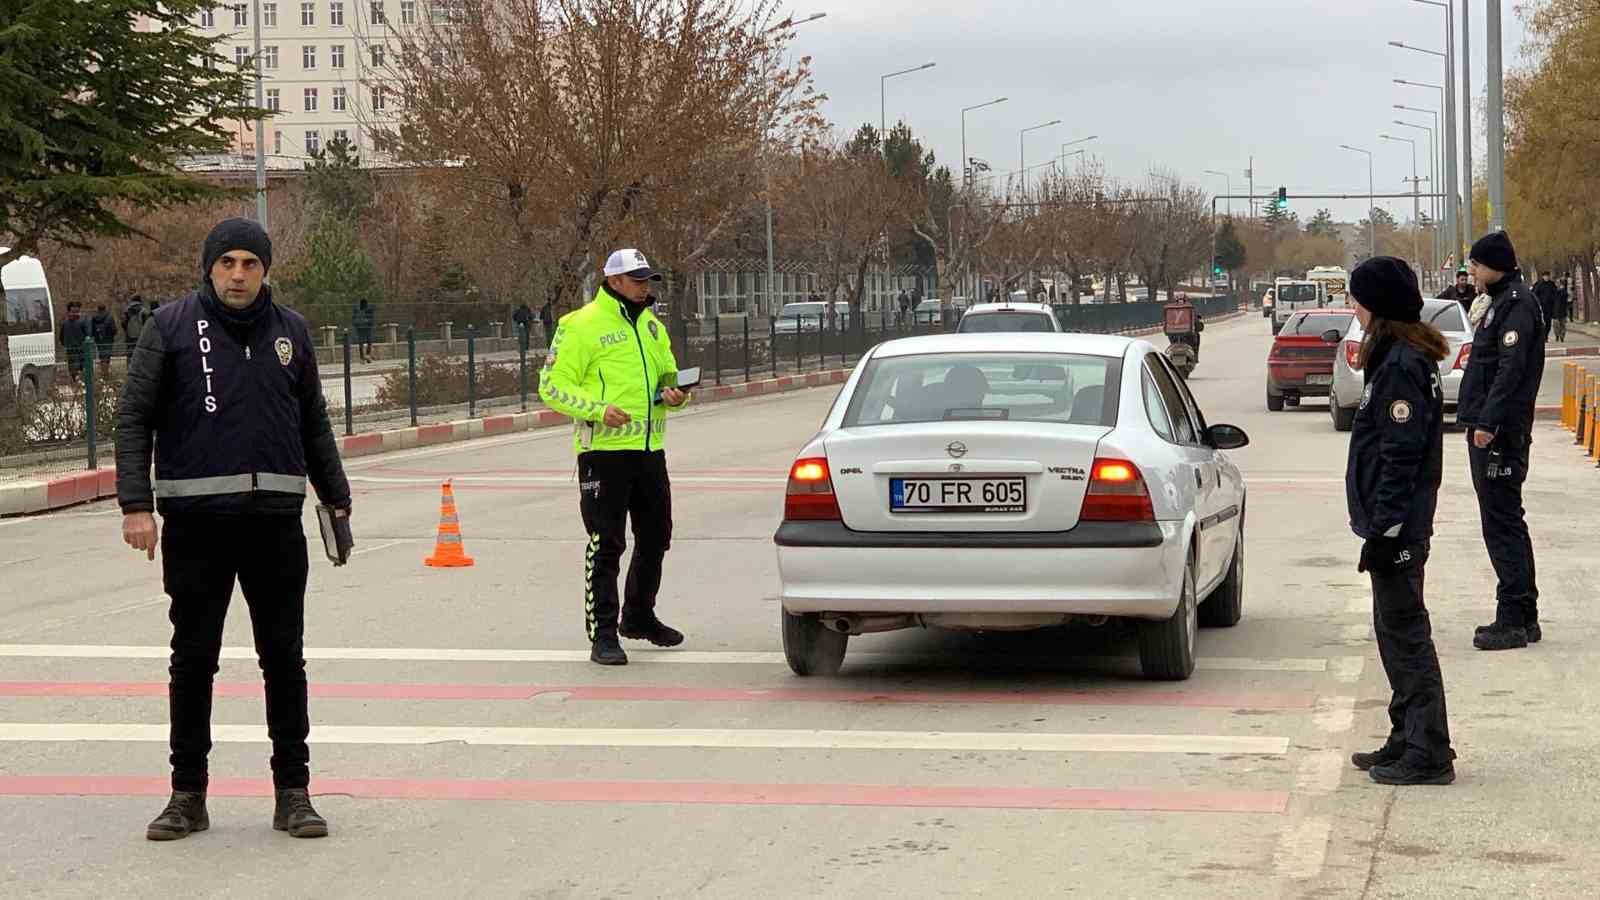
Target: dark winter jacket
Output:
[(1501, 384), (1396, 459)]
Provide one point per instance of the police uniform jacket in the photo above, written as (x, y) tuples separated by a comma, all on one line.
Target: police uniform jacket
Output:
[(231, 406), (1396, 446), (1501, 383)]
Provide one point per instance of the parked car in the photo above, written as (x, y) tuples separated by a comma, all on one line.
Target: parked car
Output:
[(1447, 316), (935, 310), (808, 316), (998, 317), (1300, 363), (27, 320), (1012, 481)]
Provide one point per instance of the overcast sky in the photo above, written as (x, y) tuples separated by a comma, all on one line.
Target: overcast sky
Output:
[(1176, 84)]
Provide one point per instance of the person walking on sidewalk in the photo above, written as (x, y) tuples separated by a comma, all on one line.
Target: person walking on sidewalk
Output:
[(1498, 392), (73, 332), (224, 393), (611, 369), (1392, 477), (133, 319), (103, 326), (362, 321), (1563, 310)]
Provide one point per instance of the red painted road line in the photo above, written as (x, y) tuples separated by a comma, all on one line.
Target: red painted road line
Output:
[(626, 693), (672, 792), (779, 474)]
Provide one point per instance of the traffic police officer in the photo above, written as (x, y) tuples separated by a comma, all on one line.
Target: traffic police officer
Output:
[(223, 390), (1498, 392), (611, 368), (1392, 480)]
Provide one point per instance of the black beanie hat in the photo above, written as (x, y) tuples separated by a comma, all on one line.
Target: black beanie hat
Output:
[(1388, 288), (235, 234), (1495, 251)]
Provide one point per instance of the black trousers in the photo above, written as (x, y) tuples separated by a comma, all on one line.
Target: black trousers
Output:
[(201, 558), (1400, 621), (615, 485), (1505, 528)]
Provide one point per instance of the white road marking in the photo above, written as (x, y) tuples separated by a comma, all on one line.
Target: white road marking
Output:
[(682, 657), (84, 617), (721, 738), (382, 546), (1320, 772), (1264, 479), (1348, 669), (1335, 715), (1361, 632), (1303, 848)]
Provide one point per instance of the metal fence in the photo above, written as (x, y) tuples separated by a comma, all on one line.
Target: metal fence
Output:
[(413, 377)]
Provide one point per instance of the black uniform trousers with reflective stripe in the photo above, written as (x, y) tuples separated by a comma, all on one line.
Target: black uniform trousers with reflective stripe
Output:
[(1505, 529), (201, 558), (1405, 644), (615, 485)]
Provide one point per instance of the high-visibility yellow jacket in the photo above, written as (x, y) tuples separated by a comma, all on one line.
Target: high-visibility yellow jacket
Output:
[(604, 355)]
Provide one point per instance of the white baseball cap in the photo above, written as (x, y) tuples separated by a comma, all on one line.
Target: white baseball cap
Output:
[(632, 264)]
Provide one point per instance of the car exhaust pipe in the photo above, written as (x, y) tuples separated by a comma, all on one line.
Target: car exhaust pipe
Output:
[(851, 623)]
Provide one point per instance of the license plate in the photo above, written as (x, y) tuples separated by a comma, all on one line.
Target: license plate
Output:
[(1319, 379), (963, 495)]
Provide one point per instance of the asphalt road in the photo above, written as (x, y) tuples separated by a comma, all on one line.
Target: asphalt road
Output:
[(464, 747)]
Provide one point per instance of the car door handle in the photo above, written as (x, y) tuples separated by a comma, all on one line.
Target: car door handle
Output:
[(1199, 479)]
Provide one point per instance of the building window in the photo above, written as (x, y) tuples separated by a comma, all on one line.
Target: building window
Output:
[(340, 134), (274, 100), (241, 56), (277, 143), (241, 15), (336, 56), (208, 18), (269, 15), (408, 12), (336, 13), (377, 99), (378, 17), (308, 56), (269, 57), (311, 99), (308, 14), (313, 142), (339, 99), (377, 56)]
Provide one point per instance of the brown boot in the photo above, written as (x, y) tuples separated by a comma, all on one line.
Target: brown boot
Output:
[(296, 815), (185, 814)]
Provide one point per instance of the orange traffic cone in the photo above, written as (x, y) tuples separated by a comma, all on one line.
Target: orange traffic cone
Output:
[(447, 550)]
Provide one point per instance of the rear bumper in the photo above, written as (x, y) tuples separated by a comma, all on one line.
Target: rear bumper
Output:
[(1295, 380), (1133, 571)]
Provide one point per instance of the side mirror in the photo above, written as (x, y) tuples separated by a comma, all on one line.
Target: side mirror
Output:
[(1227, 437), (1332, 336)]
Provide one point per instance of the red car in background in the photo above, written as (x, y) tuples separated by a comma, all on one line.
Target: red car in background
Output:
[(1300, 363)]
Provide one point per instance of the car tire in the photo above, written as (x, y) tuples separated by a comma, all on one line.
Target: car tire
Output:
[(809, 647), (1343, 419), (1166, 648), (1274, 401), (1276, 328), (1225, 606)]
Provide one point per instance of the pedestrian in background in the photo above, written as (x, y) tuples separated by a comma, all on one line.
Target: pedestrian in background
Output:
[(1461, 291), (1546, 292), (362, 321), (224, 394), (522, 317), (133, 319), (1563, 310), (1498, 392), (104, 329), (73, 332), (1392, 477)]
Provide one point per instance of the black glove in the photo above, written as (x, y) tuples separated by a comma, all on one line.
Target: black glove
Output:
[(1386, 556)]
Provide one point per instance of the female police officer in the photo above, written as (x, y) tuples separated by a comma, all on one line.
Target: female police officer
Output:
[(1392, 487)]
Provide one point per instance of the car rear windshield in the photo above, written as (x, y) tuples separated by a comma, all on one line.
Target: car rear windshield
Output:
[(1297, 293), (1317, 324), (1446, 317), (990, 323), (1076, 389)]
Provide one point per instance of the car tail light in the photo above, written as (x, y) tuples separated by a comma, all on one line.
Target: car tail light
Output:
[(1352, 352), (1463, 356), (809, 497), (1116, 493)]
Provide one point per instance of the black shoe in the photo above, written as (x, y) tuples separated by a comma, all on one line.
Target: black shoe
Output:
[(1380, 757), (653, 631), (295, 814), (184, 815), (607, 651), (1535, 633), (1402, 772), (1501, 637)]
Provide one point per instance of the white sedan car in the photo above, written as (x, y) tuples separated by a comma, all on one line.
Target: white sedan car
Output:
[(1452, 322), (1002, 317), (1007, 482)]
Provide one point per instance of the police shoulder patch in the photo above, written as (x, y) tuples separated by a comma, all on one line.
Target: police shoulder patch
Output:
[(1400, 412), (1510, 339), (285, 348), (655, 331)]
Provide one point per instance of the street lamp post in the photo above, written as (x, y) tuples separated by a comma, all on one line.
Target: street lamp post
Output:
[(883, 103), (772, 276), (1446, 171), (1022, 150), (1451, 172), (1065, 154), (1372, 220), (1062, 163), (1468, 233), (1438, 236), (1497, 124), (1416, 203), (966, 165), (261, 133)]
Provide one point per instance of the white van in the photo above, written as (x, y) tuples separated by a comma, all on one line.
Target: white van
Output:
[(30, 328)]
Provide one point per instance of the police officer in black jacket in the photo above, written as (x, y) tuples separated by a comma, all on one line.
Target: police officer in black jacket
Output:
[(223, 390), (1392, 488), (1498, 392)]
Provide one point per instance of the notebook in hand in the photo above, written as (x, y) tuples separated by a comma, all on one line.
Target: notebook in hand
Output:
[(337, 541)]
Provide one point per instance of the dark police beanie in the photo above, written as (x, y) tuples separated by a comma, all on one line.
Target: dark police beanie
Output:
[(1495, 251), (1388, 288), (235, 234)]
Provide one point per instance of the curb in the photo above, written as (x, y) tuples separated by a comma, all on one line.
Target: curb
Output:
[(27, 497)]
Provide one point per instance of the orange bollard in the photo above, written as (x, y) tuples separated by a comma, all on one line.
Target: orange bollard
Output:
[(1594, 420), (1567, 393), (448, 552), (1582, 401)]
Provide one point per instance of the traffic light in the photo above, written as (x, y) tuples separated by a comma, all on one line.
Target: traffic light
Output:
[(1283, 198), (1216, 268)]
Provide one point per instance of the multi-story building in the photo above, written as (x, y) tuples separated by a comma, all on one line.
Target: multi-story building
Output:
[(324, 68)]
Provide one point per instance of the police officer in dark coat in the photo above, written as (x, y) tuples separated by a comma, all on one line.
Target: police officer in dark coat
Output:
[(1461, 291), (1498, 392), (223, 390), (1392, 480)]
